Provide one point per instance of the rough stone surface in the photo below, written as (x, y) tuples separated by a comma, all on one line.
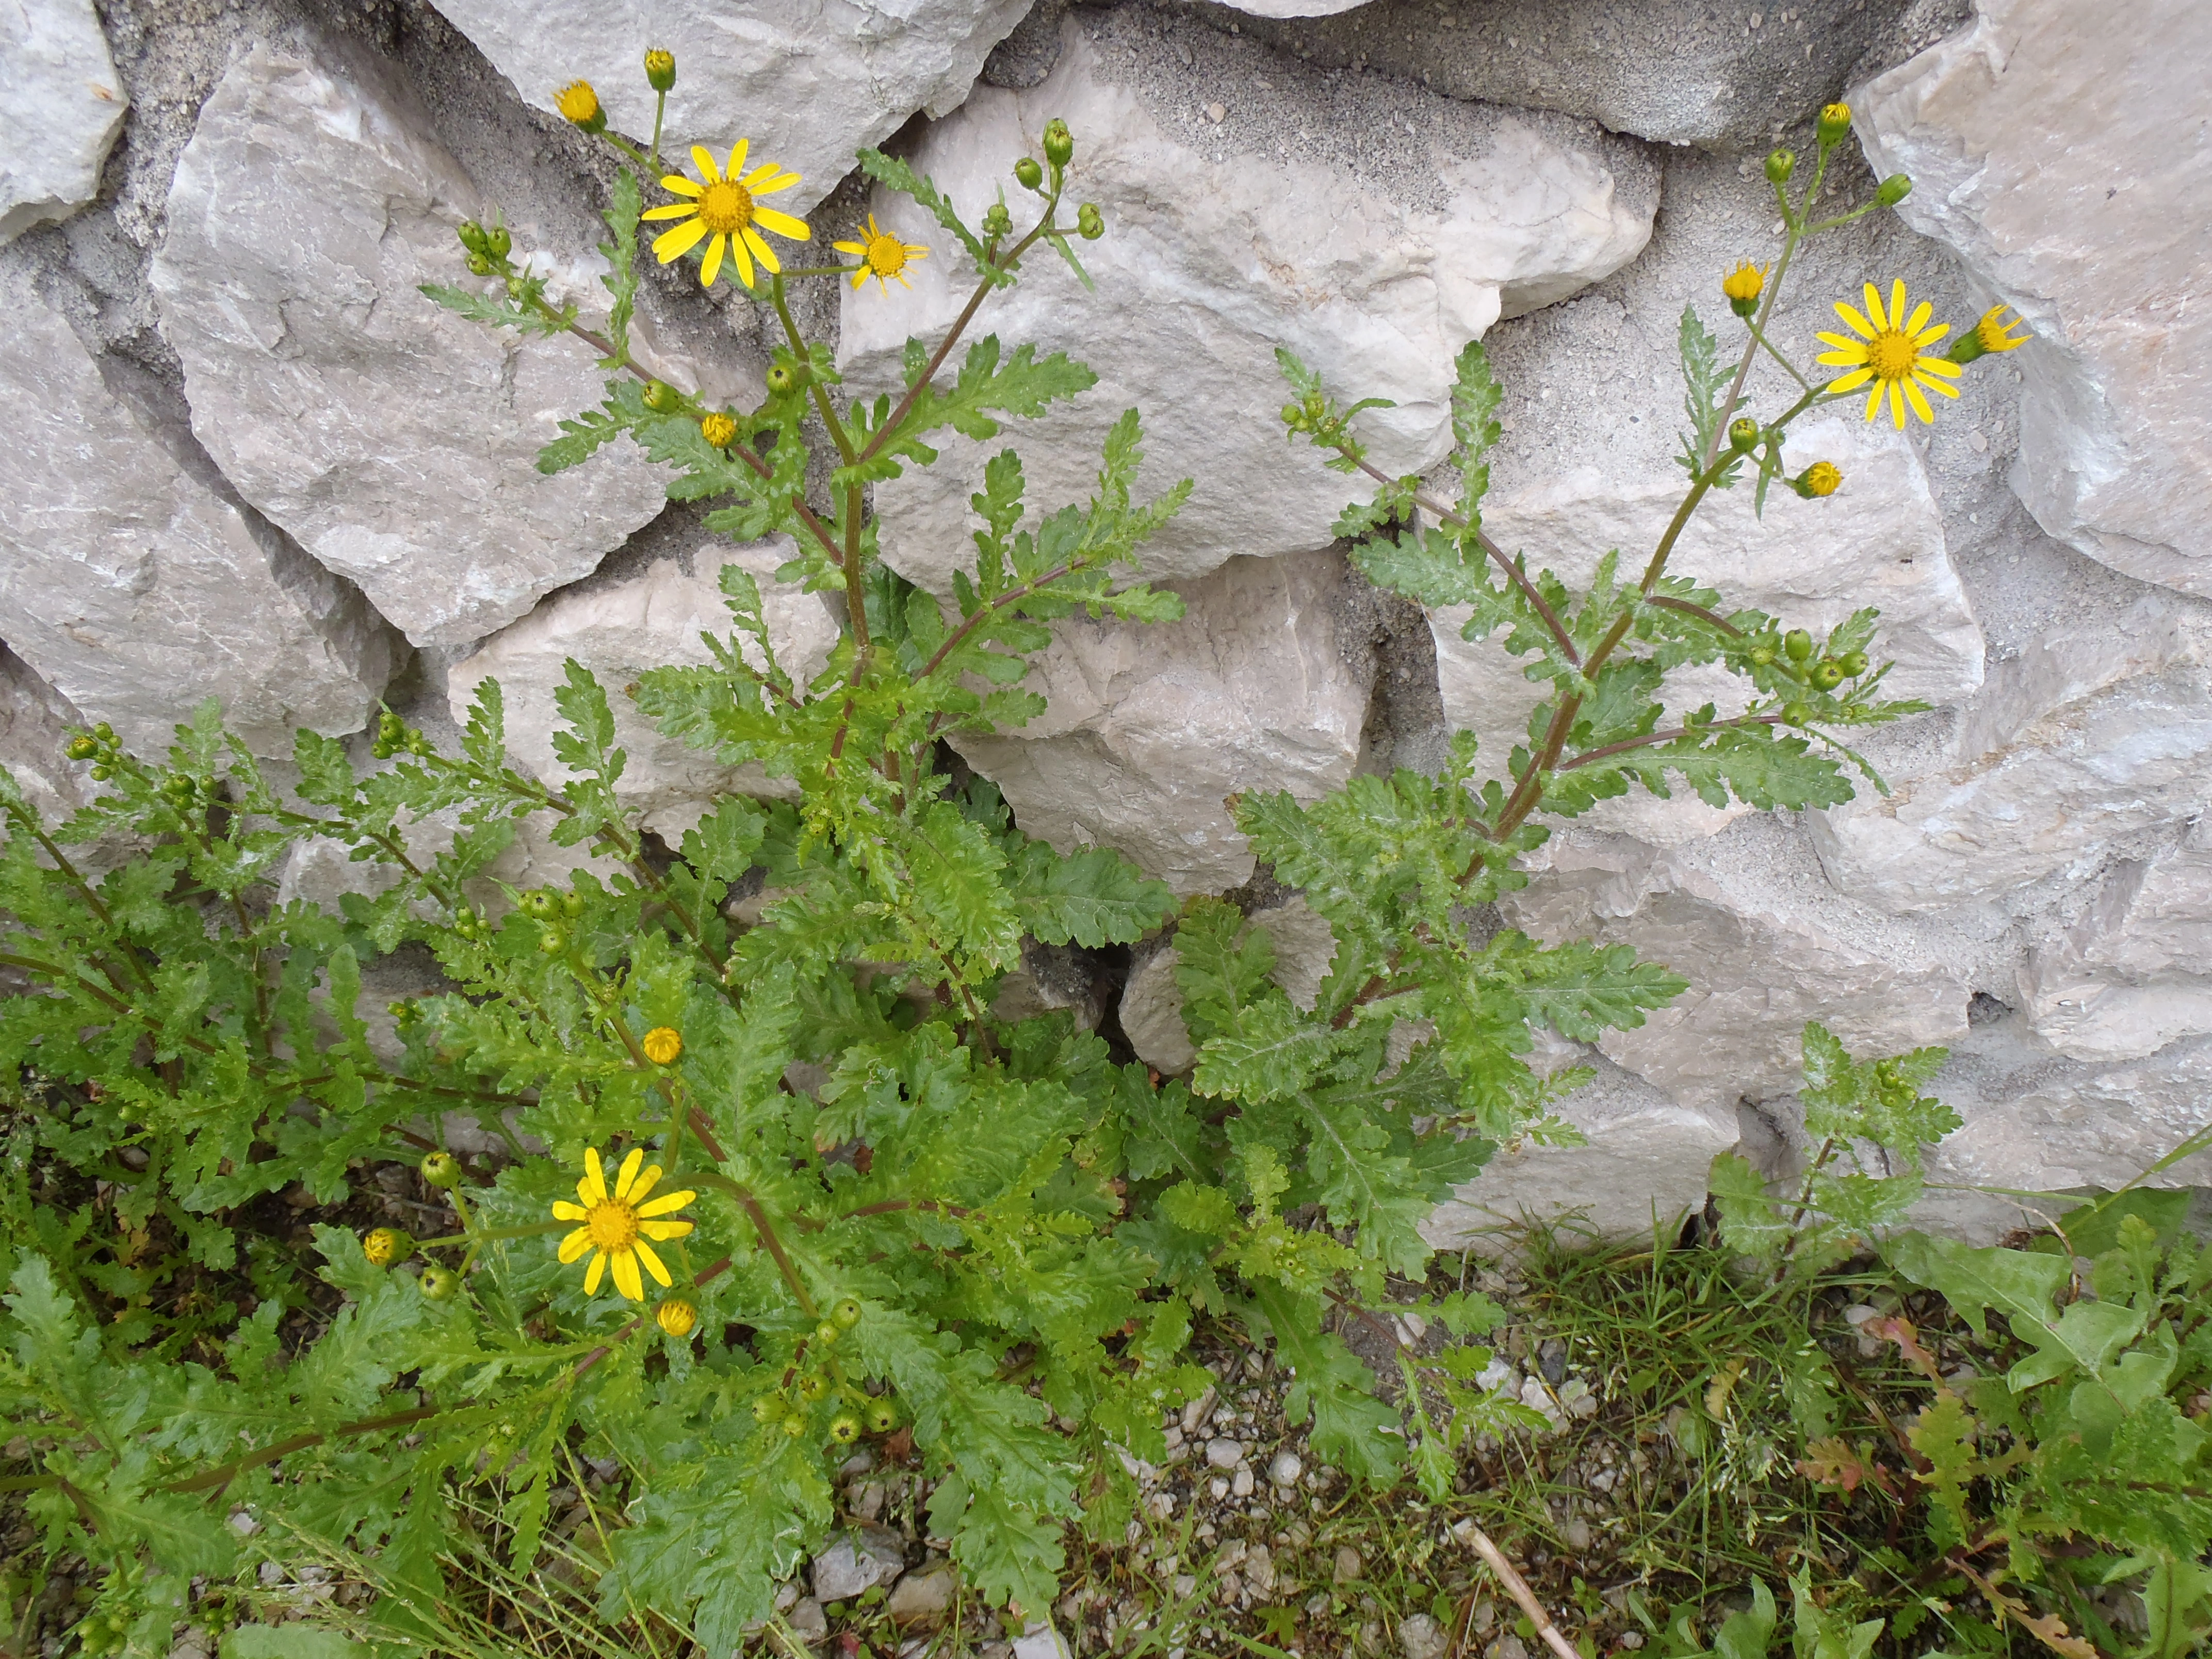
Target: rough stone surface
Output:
[(1226, 240), (135, 584), (1150, 727), (1729, 77), (2096, 732), (1879, 541), (1644, 1165), (396, 441), (1746, 918), (858, 1560), (2134, 973), (35, 726), (61, 106), (2066, 161), (808, 83), (1051, 979), (615, 629), (923, 1597), (1152, 1001)]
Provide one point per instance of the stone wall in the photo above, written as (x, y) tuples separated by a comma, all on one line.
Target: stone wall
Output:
[(249, 459)]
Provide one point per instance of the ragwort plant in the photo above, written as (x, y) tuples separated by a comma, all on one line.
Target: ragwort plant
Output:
[(981, 1244)]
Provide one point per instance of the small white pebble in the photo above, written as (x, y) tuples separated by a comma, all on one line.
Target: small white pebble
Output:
[(1225, 1454), (1219, 1487), (1241, 1484), (1284, 1468), (1217, 114)]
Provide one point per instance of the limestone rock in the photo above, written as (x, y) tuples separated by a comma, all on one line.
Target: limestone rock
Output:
[(809, 81), (857, 1560), (924, 1597), (2093, 733), (617, 629), (1152, 1001), (395, 441), (2135, 972), (1050, 979), (1374, 264), (34, 727), (1766, 945), (61, 106), (1879, 541), (2040, 139), (136, 585), (1676, 71), (1645, 1164), (1149, 728)]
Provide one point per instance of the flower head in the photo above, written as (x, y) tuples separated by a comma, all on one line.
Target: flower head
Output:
[(677, 1316), (1821, 478), (616, 1223), (882, 256), (719, 431), (1888, 355), (385, 1245), (577, 102), (1743, 286), (1992, 333), (1835, 121), (724, 211), (662, 1043), (660, 69)]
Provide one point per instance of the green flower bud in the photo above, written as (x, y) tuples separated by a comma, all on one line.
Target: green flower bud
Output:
[(552, 942), (82, 748), (1090, 224), (441, 1169), (101, 774), (1894, 189), (438, 1284), (1294, 417), (1854, 663), (826, 1333), (813, 1385), (768, 1408), (498, 242), (997, 222), (1835, 121), (794, 1426), (1763, 655), (1027, 174), (480, 264), (1780, 164), (1798, 643), (847, 1312), (1796, 714), (572, 904), (104, 731), (661, 398), (882, 1417), (1827, 674), (845, 1428), (1059, 142), (1743, 435), (660, 69), (471, 235)]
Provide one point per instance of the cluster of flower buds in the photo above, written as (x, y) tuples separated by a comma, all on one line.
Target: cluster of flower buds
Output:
[(394, 736), (1795, 659), (487, 250), (860, 1413), (100, 747), (549, 910), (1311, 415)]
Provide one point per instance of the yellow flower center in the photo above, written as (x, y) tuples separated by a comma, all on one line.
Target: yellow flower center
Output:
[(727, 207), (1891, 355), (577, 101), (886, 255), (612, 1225)]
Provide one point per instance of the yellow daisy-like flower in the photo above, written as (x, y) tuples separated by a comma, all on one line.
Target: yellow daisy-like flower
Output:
[(882, 256), (724, 209), (1889, 355), (1746, 282), (617, 1224), (662, 1043), (1994, 331), (1823, 478), (578, 103)]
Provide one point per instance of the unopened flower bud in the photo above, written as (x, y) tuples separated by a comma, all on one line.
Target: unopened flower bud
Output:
[(678, 1316), (104, 731), (471, 235), (579, 104), (1743, 286), (1743, 435), (1854, 663), (499, 241), (1089, 224), (82, 748), (1059, 142), (480, 264), (718, 429), (552, 942), (1835, 121), (1798, 643), (997, 222), (661, 398), (781, 380), (1818, 479), (662, 1044), (1894, 189), (660, 69), (1796, 714), (1780, 164), (385, 1245), (441, 1169), (1028, 174), (438, 1284)]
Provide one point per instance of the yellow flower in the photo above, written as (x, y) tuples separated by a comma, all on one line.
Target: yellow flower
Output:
[(1822, 478), (385, 1245), (662, 1044), (881, 255), (1889, 355), (1745, 281), (726, 211), (577, 102), (617, 1224), (1991, 332), (660, 69), (678, 1316)]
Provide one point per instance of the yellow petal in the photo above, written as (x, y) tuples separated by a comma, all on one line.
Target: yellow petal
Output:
[(594, 1189), (1919, 317), (1843, 359), (711, 267), (781, 182), (574, 1245), (702, 159), (676, 184), (1874, 308), (1842, 343), (737, 157), (1919, 399), (762, 251), (861, 278), (1897, 304), (671, 210), (594, 1274), (1932, 335), (628, 1171), (626, 1278), (652, 1263), (667, 1202), (782, 224), (1943, 387), (1896, 404), (857, 250), (916, 251), (644, 1185), (1856, 320), (564, 1211), (744, 260), (1857, 377), (675, 244), (1873, 398), (664, 1230)]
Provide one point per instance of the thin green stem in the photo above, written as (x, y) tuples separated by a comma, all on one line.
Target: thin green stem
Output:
[(659, 111)]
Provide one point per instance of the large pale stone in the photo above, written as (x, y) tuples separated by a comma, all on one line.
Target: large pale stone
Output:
[(1148, 729), (134, 585), (2135, 972), (2063, 157), (1879, 541), (1152, 1001), (809, 81), (1677, 71), (397, 441), (618, 629), (1644, 1164), (1374, 265), (34, 727), (1766, 945), (60, 109), (2093, 733)]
